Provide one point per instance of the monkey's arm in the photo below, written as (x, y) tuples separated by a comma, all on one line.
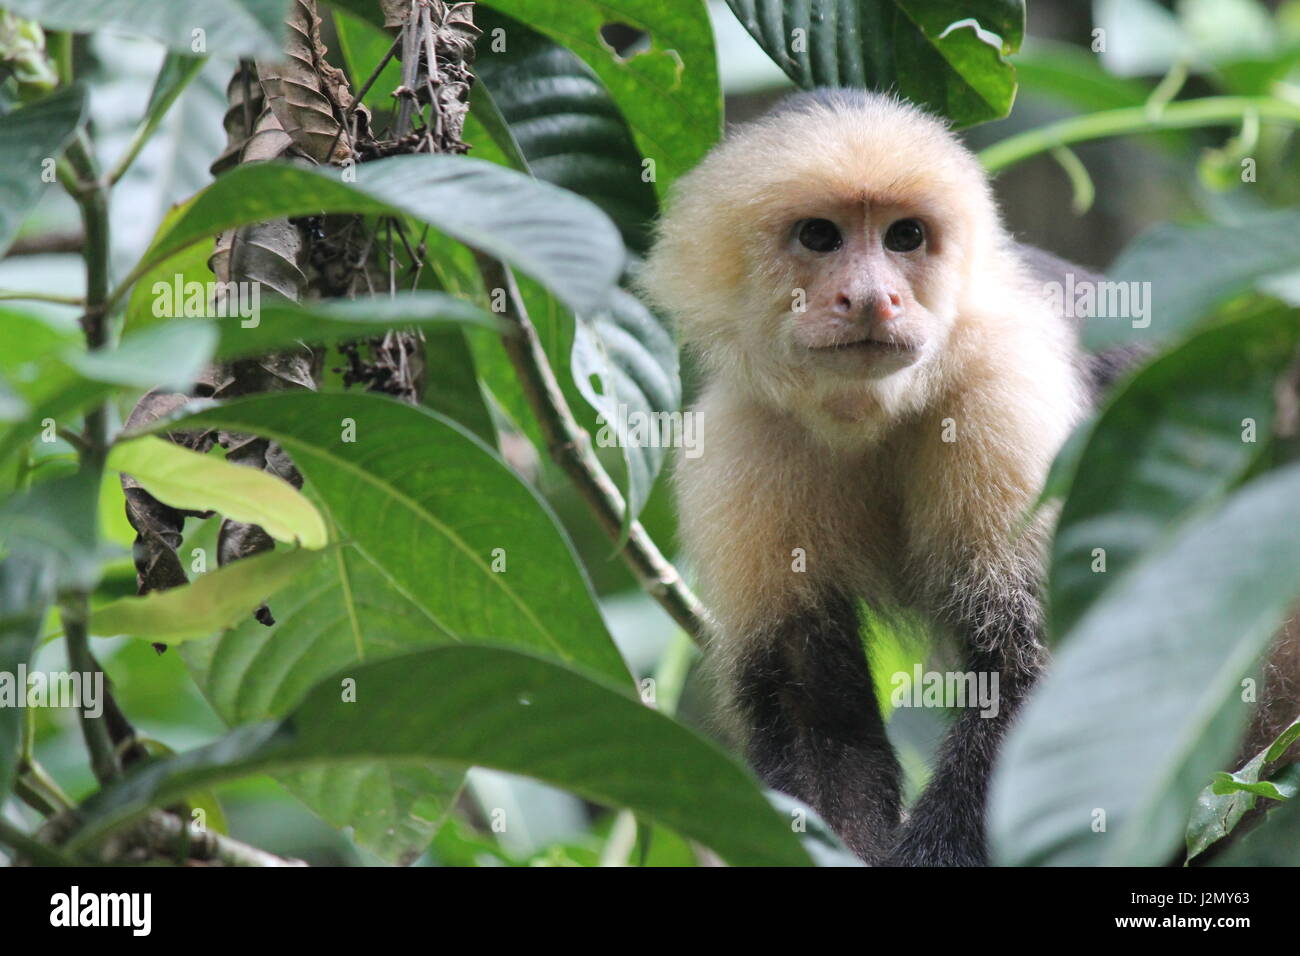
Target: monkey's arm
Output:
[(946, 827), (813, 726)]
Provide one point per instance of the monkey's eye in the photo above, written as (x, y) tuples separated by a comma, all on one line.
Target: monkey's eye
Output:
[(819, 235), (904, 235)]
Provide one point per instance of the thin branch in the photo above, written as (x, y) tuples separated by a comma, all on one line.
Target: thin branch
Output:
[(570, 447), (1186, 114), (103, 752), (8, 294), (46, 244)]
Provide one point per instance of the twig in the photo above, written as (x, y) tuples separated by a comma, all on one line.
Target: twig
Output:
[(570, 447), (46, 244), (8, 294)]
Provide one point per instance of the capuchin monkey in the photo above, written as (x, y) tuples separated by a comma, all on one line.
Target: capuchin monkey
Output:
[(886, 387)]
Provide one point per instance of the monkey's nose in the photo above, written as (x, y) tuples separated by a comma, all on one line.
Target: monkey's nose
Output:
[(888, 305), (881, 306)]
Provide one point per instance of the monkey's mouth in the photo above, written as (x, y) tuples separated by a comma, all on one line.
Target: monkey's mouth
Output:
[(868, 345)]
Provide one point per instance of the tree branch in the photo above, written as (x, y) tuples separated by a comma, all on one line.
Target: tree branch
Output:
[(570, 447)]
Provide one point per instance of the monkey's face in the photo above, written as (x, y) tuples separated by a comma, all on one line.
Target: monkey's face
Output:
[(821, 257), (865, 296)]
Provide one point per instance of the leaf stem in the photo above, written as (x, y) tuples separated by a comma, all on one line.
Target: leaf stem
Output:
[(570, 447), (1187, 114)]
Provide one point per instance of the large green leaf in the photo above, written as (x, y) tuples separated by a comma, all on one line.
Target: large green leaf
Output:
[(213, 601), (491, 707), (668, 92), (1188, 270), (342, 611), (564, 124), (1171, 440), (30, 136), (230, 28), (435, 510), (560, 239), (946, 55), (1144, 701)]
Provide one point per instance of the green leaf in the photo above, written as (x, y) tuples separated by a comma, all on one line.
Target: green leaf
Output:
[(634, 359), (946, 55), (434, 509), (213, 601), (558, 115), (191, 481), (341, 611), (490, 707), (1234, 783), (667, 92), (1192, 269), (1169, 441), (560, 239), (1143, 703), (26, 589), (29, 136), (231, 28)]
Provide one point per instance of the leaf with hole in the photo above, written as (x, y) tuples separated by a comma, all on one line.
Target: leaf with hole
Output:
[(949, 56)]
